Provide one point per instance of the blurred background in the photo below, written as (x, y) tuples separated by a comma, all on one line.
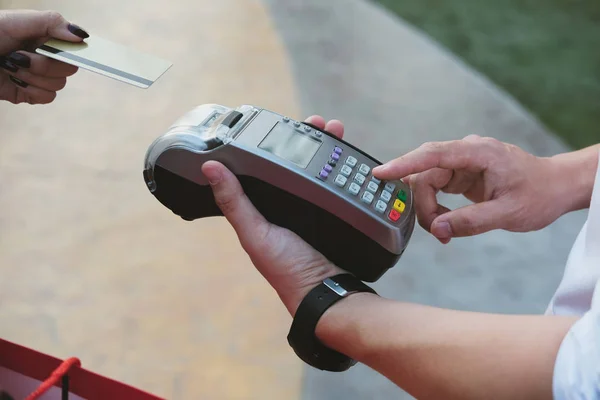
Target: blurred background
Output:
[(93, 266)]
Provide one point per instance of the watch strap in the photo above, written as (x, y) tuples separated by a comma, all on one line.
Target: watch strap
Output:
[(302, 337)]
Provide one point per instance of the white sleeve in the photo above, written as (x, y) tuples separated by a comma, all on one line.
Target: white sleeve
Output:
[(577, 366)]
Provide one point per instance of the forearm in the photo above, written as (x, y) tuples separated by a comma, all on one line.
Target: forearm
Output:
[(574, 174), (434, 353)]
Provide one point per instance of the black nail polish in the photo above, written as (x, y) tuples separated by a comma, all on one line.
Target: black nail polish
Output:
[(76, 30), (7, 65), (19, 59), (19, 82)]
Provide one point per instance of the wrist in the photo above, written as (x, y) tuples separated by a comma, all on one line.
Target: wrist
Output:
[(573, 176), (302, 335), (342, 326), (295, 287)]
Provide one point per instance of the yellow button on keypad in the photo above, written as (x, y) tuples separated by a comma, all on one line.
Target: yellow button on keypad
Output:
[(399, 205)]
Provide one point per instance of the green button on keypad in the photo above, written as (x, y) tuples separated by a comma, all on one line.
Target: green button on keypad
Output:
[(401, 195)]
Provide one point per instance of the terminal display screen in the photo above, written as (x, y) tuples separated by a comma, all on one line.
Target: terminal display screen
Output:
[(291, 145)]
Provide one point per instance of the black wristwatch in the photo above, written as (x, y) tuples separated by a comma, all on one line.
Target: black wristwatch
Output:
[(302, 332)]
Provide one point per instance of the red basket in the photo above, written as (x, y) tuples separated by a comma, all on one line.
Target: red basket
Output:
[(26, 374)]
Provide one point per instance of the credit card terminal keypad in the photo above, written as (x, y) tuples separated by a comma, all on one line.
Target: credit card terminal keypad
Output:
[(351, 172)]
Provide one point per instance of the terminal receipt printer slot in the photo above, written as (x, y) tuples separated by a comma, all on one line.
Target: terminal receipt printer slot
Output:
[(298, 177)]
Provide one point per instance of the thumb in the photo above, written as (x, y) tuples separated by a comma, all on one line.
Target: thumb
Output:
[(245, 219), (470, 220), (32, 24)]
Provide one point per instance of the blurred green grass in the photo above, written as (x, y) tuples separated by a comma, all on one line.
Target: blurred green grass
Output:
[(545, 53)]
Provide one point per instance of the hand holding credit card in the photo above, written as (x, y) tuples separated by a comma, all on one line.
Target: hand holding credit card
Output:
[(109, 59)]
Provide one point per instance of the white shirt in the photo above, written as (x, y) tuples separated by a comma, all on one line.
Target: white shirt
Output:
[(577, 366)]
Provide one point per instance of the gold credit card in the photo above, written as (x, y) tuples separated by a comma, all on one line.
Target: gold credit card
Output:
[(107, 58)]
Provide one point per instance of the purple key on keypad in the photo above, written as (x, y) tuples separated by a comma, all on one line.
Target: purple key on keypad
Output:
[(324, 174), (337, 150), (335, 156), (328, 168)]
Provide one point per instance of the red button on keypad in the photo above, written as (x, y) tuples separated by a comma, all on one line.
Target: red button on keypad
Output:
[(394, 215)]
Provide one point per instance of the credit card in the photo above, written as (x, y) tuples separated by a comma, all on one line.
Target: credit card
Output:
[(109, 59)]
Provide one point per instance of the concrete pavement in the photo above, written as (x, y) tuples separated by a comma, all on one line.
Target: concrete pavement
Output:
[(93, 266)]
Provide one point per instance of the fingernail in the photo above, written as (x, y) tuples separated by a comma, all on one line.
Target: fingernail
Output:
[(18, 81), (20, 59), (7, 65), (442, 230), (76, 30), (379, 168), (213, 176)]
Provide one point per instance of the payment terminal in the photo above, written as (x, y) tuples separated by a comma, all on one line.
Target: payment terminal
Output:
[(299, 177)]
